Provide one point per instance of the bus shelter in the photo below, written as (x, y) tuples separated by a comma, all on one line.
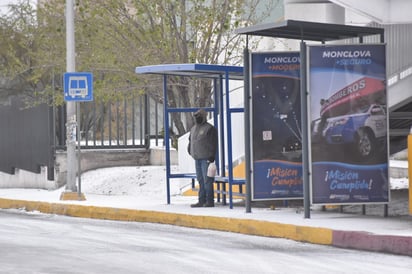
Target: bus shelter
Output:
[(303, 31), (221, 109)]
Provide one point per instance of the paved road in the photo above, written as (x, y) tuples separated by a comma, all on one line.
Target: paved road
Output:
[(41, 243)]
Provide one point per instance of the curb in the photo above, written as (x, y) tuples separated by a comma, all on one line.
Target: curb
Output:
[(401, 245)]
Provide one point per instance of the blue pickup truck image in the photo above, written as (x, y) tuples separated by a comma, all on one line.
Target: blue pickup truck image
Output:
[(362, 129)]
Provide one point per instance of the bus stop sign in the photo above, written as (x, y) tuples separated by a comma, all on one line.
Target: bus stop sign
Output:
[(78, 86)]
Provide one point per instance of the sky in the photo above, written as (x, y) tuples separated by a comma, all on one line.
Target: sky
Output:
[(4, 4)]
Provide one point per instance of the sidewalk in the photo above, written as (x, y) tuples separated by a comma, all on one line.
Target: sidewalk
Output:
[(371, 232)]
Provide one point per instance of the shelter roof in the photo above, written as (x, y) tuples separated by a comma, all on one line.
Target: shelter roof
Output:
[(194, 70), (313, 31)]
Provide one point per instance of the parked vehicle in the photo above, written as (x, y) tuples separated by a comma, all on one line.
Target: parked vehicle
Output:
[(362, 128)]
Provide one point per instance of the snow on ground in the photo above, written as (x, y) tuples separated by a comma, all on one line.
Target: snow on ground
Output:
[(149, 181), (147, 185), (144, 188), (399, 183)]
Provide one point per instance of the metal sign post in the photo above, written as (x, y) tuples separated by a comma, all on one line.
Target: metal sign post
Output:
[(78, 87)]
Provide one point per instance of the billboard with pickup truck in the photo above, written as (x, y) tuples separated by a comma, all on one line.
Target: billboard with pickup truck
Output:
[(349, 124)]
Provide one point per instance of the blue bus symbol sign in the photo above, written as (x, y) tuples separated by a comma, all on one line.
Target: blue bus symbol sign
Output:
[(78, 86)]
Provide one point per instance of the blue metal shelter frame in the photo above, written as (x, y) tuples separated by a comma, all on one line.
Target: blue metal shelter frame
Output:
[(221, 75)]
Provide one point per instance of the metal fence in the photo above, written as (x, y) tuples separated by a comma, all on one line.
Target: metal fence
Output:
[(26, 137), (29, 137), (128, 123)]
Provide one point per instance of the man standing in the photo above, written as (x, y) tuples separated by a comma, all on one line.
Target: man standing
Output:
[(202, 147)]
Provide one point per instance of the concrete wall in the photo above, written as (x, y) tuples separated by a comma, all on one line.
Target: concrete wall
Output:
[(26, 179)]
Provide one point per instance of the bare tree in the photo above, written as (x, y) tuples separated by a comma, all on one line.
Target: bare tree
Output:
[(113, 37)]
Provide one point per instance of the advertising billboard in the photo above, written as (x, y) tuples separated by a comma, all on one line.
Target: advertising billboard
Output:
[(276, 126), (349, 124)]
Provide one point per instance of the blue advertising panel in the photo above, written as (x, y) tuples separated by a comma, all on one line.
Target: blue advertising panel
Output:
[(276, 126), (349, 120), (78, 86)]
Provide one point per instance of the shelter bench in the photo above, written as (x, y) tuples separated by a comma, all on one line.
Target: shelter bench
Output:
[(221, 187)]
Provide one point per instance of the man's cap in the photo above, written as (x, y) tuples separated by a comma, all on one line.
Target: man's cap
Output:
[(200, 113)]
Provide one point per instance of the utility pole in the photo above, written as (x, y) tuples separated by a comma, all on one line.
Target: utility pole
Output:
[(71, 106), (71, 124)]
